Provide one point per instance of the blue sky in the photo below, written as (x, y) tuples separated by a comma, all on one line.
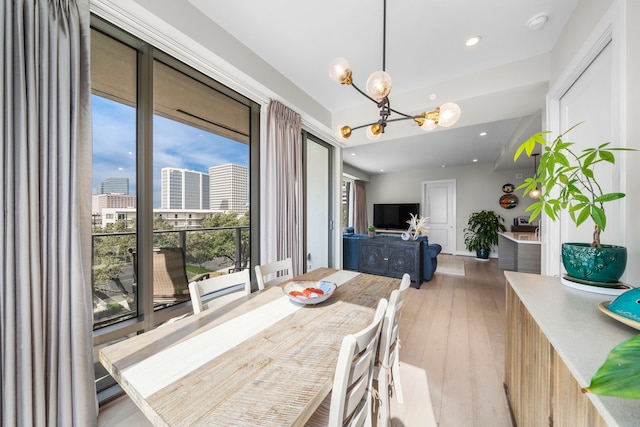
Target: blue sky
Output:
[(175, 145)]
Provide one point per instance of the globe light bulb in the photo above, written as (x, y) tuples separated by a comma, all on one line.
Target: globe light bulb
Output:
[(379, 85), (374, 131), (534, 194), (340, 71), (342, 133), (449, 114), (428, 125)]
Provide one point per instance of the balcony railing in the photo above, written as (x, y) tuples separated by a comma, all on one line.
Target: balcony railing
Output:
[(216, 250)]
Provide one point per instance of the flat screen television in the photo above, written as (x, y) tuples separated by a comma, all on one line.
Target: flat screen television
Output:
[(394, 215)]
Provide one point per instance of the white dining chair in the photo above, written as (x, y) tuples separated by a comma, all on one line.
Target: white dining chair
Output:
[(349, 403), (218, 290), (387, 368), (274, 273)]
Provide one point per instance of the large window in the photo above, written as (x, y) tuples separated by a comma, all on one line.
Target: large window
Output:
[(171, 180)]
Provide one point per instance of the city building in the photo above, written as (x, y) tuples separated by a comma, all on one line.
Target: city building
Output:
[(102, 201), (113, 185), (184, 189), (177, 218), (229, 188)]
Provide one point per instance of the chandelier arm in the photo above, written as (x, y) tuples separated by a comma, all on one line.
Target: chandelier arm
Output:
[(364, 93), (405, 115), (386, 121), (365, 125), (403, 118)]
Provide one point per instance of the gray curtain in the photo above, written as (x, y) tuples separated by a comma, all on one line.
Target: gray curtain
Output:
[(281, 187), (360, 207), (46, 373)]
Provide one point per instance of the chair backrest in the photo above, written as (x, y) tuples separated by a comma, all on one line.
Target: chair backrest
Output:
[(274, 273), (170, 282), (223, 286), (352, 382), (389, 336)]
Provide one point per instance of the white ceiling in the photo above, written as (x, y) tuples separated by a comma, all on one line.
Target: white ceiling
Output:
[(500, 84)]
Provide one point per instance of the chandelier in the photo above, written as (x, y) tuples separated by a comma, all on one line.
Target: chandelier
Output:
[(378, 88)]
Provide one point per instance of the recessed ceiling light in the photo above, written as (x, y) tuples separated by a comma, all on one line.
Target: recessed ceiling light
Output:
[(473, 41), (353, 154), (381, 170), (475, 160), (433, 97), (537, 21), (483, 134), (444, 166)]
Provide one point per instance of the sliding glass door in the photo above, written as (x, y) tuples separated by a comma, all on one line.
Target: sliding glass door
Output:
[(318, 204)]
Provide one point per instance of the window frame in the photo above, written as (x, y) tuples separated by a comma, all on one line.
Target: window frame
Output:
[(146, 318)]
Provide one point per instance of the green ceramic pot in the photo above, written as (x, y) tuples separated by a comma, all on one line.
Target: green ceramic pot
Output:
[(482, 254), (605, 264)]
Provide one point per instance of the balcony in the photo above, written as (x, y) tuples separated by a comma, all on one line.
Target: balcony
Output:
[(216, 250)]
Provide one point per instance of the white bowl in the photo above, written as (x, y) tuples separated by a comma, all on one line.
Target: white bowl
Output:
[(328, 288)]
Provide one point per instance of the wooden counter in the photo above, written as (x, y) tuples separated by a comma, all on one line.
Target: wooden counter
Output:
[(556, 340), (519, 252)]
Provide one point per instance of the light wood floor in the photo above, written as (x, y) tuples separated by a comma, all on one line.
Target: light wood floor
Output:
[(452, 333), (452, 336)]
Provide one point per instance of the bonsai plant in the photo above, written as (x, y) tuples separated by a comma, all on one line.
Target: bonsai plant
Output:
[(372, 231), (566, 180), (481, 232)]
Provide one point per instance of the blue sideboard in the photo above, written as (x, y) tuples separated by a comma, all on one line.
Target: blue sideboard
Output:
[(428, 253), (391, 257)]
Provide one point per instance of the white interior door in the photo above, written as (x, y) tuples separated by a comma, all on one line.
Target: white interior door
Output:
[(439, 205)]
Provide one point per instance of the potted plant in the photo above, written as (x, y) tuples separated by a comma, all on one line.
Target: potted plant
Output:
[(481, 232), (566, 180), (372, 231)]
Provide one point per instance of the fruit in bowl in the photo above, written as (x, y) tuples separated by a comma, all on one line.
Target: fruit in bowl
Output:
[(309, 292)]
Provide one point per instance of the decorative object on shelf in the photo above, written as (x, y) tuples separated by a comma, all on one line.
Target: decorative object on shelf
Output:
[(372, 231), (567, 180), (481, 232), (625, 308), (508, 201), (378, 88), (417, 227), (508, 188)]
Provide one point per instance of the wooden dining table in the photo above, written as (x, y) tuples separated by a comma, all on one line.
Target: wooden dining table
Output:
[(261, 360)]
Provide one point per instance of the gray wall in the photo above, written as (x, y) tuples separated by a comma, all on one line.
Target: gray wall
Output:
[(478, 187), (585, 16)]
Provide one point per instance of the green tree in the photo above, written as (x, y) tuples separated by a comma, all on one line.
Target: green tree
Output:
[(221, 243), (110, 254)]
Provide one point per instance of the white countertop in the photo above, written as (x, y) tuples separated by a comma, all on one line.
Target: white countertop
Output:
[(527, 238), (580, 333)]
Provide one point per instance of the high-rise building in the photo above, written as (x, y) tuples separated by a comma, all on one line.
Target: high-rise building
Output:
[(102, 201), (229, 188), (184, 189), (113, 185)]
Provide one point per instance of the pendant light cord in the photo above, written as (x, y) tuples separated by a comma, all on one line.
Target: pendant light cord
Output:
[(384, 36)]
